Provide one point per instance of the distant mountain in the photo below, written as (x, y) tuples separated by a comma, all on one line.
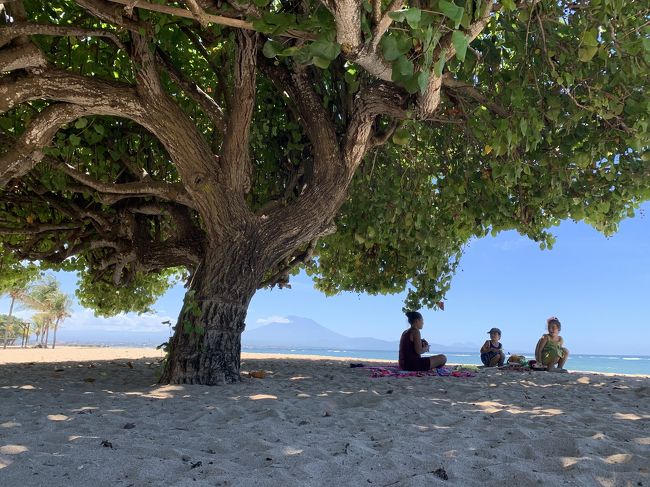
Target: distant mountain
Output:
[(305, 333)]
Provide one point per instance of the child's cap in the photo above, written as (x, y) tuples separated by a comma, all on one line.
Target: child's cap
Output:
[(495, 330)]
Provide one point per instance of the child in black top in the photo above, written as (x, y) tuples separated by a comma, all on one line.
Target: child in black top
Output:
[(492, 350)]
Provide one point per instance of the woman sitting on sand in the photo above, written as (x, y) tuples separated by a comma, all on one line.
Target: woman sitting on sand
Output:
[(550, 350), (411, 346)]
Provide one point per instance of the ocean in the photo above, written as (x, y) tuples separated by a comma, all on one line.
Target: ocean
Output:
[(615, 364)]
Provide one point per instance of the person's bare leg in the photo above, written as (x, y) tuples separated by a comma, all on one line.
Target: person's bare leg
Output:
[(502, 358), (495, 361), (563, 360), (438, 361)]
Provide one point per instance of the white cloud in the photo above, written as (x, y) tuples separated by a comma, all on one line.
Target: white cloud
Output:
[(514, 244), (272, 319), (85, 320)]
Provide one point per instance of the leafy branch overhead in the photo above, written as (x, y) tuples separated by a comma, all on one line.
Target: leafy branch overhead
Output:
[(144, 140)]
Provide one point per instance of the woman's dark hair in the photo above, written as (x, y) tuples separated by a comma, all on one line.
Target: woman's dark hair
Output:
[(412, 316), (555, 321)]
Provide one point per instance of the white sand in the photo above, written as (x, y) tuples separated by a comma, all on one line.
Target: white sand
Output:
[(312, 422)]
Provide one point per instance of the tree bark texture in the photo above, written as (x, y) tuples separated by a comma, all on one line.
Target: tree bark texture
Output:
[(206, 345)]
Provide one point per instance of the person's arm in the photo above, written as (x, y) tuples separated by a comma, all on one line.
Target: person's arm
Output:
[(417, 341), (486, 346), (540, 346), (425, 346)]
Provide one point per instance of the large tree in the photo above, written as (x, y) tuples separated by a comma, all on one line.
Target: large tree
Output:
[(222, 138)]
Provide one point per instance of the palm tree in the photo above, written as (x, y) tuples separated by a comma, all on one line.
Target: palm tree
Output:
[(61, 307), (52, 304)]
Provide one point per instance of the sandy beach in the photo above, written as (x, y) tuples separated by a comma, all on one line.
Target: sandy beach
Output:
[(96, 417)]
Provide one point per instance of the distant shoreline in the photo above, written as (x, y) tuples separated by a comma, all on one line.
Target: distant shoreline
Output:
[(85, 353)]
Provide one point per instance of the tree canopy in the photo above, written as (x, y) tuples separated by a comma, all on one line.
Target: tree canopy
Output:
[(242, 139)]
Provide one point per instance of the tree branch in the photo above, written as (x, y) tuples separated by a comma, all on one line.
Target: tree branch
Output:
[(462, 88), (235, 156), (165, 191), (24, 56), (429, 100), (25, 28), (36, 229), (26, 152), (194, 91), (113, 14), (205, 17)]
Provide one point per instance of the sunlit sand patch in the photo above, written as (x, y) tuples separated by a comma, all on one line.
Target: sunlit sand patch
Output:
[(450, 455), (642, 441), (618, 458), (10, 424), (603, 482), (13, 449), (300, 377), (569, 462), (85, 409), (134, 393), (4, 463), (548, 411), (258, 397), (583, 380), (598, 436), (164, 392), (57, 417), (628, 416), (287, 450), (28, 387), (76, 437), (302, 394)]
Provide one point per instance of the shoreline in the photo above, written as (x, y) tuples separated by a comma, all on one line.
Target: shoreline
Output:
[(82, 353)]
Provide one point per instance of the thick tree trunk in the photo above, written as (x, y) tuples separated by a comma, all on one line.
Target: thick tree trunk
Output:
[(206, 345)]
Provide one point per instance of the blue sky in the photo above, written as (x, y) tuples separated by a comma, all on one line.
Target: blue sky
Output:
[(599, 288)]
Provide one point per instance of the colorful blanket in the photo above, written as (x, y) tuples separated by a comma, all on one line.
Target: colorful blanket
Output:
[(395, 371)]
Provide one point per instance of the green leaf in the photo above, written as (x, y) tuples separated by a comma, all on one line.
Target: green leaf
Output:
[(590, 38), (401, 136), (440, 64), (460, 42), (271, 48), (523, 126), (423, 81), (509, 5), (325, 49), (586, 54), (81, 123), (321, 62), (74, 139), (390, 49), (402, 68), (452, 11)]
